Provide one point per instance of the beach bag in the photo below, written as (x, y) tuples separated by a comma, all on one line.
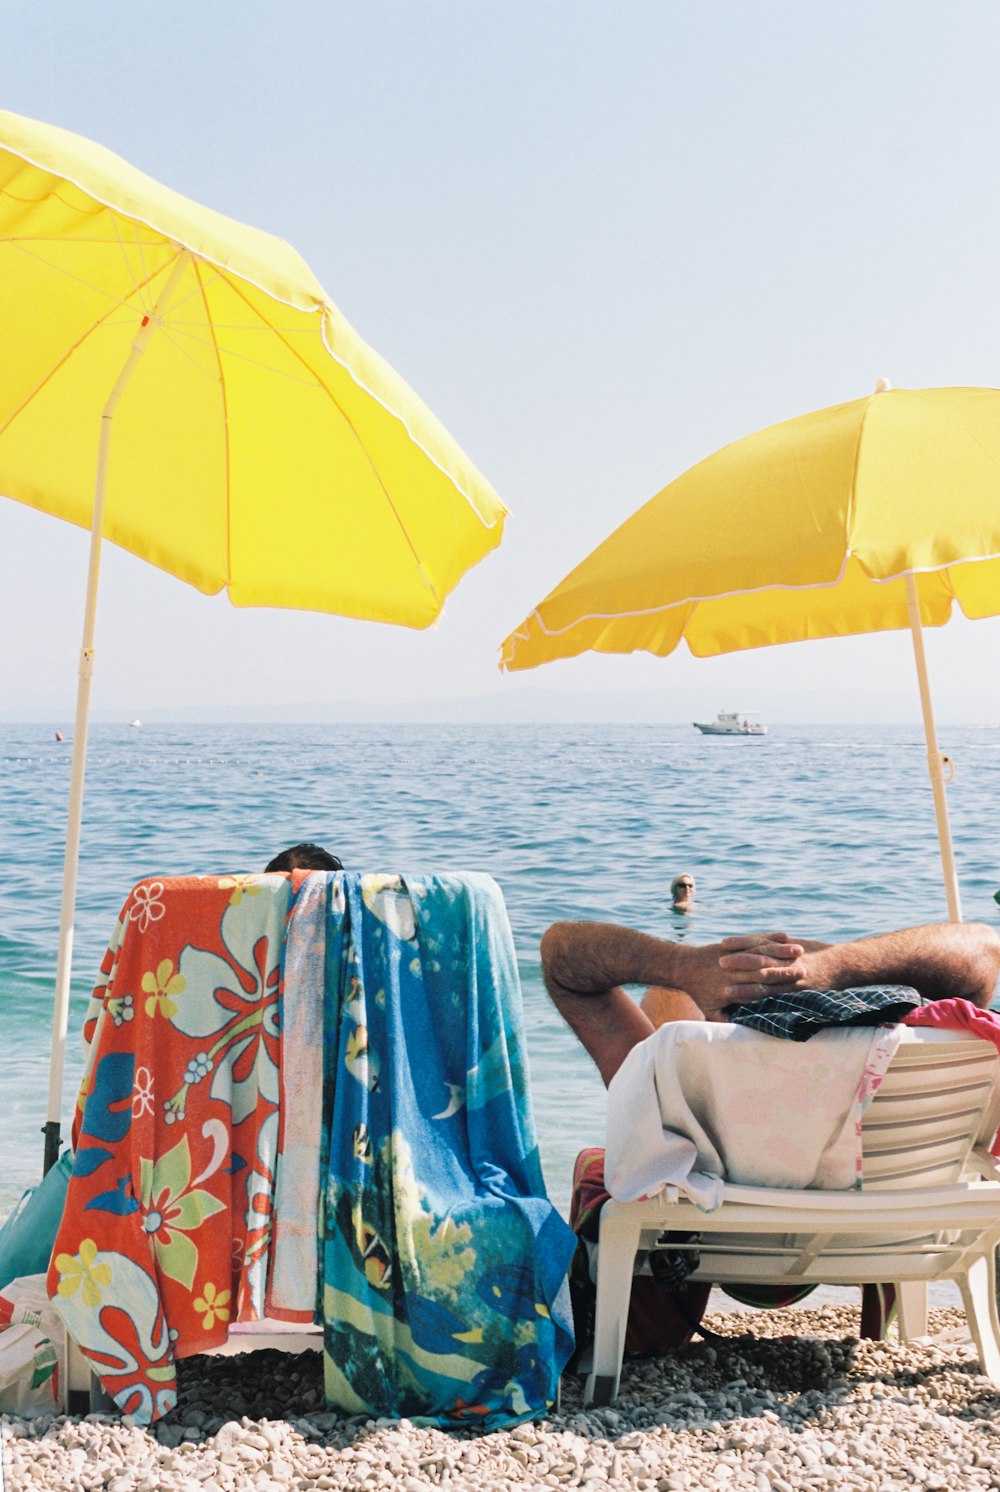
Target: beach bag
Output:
[(665, 1308), (27, 1236)]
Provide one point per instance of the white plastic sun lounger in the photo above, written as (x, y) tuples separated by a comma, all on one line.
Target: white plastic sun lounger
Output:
[(929, 1209)]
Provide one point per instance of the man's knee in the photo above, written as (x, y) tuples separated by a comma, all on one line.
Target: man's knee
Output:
[(989, 940), (974, 961), (664, 1006), (987, 952)]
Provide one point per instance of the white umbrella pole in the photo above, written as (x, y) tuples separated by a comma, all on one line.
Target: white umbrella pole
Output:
[(934, 758), (60, 1014)]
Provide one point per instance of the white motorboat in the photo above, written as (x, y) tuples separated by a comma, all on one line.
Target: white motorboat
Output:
[(732, 723)]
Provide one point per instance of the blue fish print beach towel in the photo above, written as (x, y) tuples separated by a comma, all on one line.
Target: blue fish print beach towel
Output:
[(444, 1263)]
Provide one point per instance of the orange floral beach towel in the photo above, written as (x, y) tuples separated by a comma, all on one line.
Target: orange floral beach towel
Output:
[(166, 1233)]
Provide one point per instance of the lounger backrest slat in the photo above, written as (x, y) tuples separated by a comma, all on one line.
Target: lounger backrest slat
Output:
[(926, 1115)]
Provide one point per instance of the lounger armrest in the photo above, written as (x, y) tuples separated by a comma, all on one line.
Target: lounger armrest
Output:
[(820, 1201)]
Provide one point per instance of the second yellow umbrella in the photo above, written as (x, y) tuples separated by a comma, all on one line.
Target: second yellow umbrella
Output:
[(872, 515)]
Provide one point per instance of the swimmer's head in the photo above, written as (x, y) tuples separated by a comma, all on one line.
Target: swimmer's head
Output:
[(682, 891)]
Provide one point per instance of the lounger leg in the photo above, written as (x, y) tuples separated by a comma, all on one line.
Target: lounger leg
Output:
[(83, 1393), (911, 1309), (979, 1298), (77, 1375), (619, 1240), (99, 1399)]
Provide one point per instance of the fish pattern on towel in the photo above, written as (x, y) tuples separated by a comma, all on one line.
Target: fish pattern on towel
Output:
[(445, 1293)]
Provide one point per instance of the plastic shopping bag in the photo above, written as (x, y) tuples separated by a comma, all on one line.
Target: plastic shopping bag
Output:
[(32, 1339)]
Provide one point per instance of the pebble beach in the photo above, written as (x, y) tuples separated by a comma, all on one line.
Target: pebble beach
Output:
[(799, 1403)]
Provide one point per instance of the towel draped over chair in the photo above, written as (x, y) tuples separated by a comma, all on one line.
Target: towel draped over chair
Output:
[(307, 1098)]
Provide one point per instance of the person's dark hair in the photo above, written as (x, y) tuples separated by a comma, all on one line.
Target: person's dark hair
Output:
[(304, 857)]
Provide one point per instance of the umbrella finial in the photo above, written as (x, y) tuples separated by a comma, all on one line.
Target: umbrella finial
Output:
[(882, 385)]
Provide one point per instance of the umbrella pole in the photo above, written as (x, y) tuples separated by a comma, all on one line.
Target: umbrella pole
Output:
[(934, 758), (64, 961)]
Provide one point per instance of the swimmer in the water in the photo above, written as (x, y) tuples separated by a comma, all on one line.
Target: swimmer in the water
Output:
[(682, 892)]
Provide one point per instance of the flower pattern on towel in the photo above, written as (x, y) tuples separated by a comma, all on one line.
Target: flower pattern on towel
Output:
[(146, 904), (166, 1228)]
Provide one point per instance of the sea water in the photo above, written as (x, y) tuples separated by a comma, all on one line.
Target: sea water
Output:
[(825, 832)]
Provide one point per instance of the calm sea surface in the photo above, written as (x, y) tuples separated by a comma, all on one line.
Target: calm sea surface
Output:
[(823, 831)]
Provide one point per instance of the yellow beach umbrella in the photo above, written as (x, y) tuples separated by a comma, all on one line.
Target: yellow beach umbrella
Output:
[(863, 517), (259, 446)]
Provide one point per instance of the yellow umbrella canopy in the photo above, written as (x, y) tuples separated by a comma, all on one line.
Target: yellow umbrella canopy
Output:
[(803, 530), (863, 517), (260, 446)]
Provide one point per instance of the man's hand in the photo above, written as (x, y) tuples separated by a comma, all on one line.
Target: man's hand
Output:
[(762, 964), (705, 973)]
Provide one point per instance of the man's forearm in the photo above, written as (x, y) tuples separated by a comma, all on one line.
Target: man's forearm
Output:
[(941, 960), (583, 961)]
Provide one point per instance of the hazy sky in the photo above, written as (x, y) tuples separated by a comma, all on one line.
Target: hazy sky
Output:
[(599, 240)]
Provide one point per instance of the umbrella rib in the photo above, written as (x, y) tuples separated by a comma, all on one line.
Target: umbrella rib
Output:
[(364, 449), (230, 326), (16, 243), (58, 238), (167, 333), (202, 292), (139, 246), (253, 362), (60, 362), (146, 301)]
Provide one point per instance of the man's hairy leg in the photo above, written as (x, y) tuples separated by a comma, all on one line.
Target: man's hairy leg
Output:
[(666, 1005), (942, 960), (585, 965)]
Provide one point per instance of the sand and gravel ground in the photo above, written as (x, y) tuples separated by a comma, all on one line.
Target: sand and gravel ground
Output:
[(799, 1404)]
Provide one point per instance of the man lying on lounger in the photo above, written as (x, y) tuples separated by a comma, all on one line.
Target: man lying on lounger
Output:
[(584, 965)]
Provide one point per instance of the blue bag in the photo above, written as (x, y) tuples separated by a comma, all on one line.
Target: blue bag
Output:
[(27, 1236)]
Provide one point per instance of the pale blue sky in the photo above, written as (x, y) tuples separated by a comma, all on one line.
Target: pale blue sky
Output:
[(600, 241)]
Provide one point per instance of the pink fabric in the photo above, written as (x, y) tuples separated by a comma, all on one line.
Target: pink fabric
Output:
[(960, 1015), (883, 1050), (957, 1015)]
